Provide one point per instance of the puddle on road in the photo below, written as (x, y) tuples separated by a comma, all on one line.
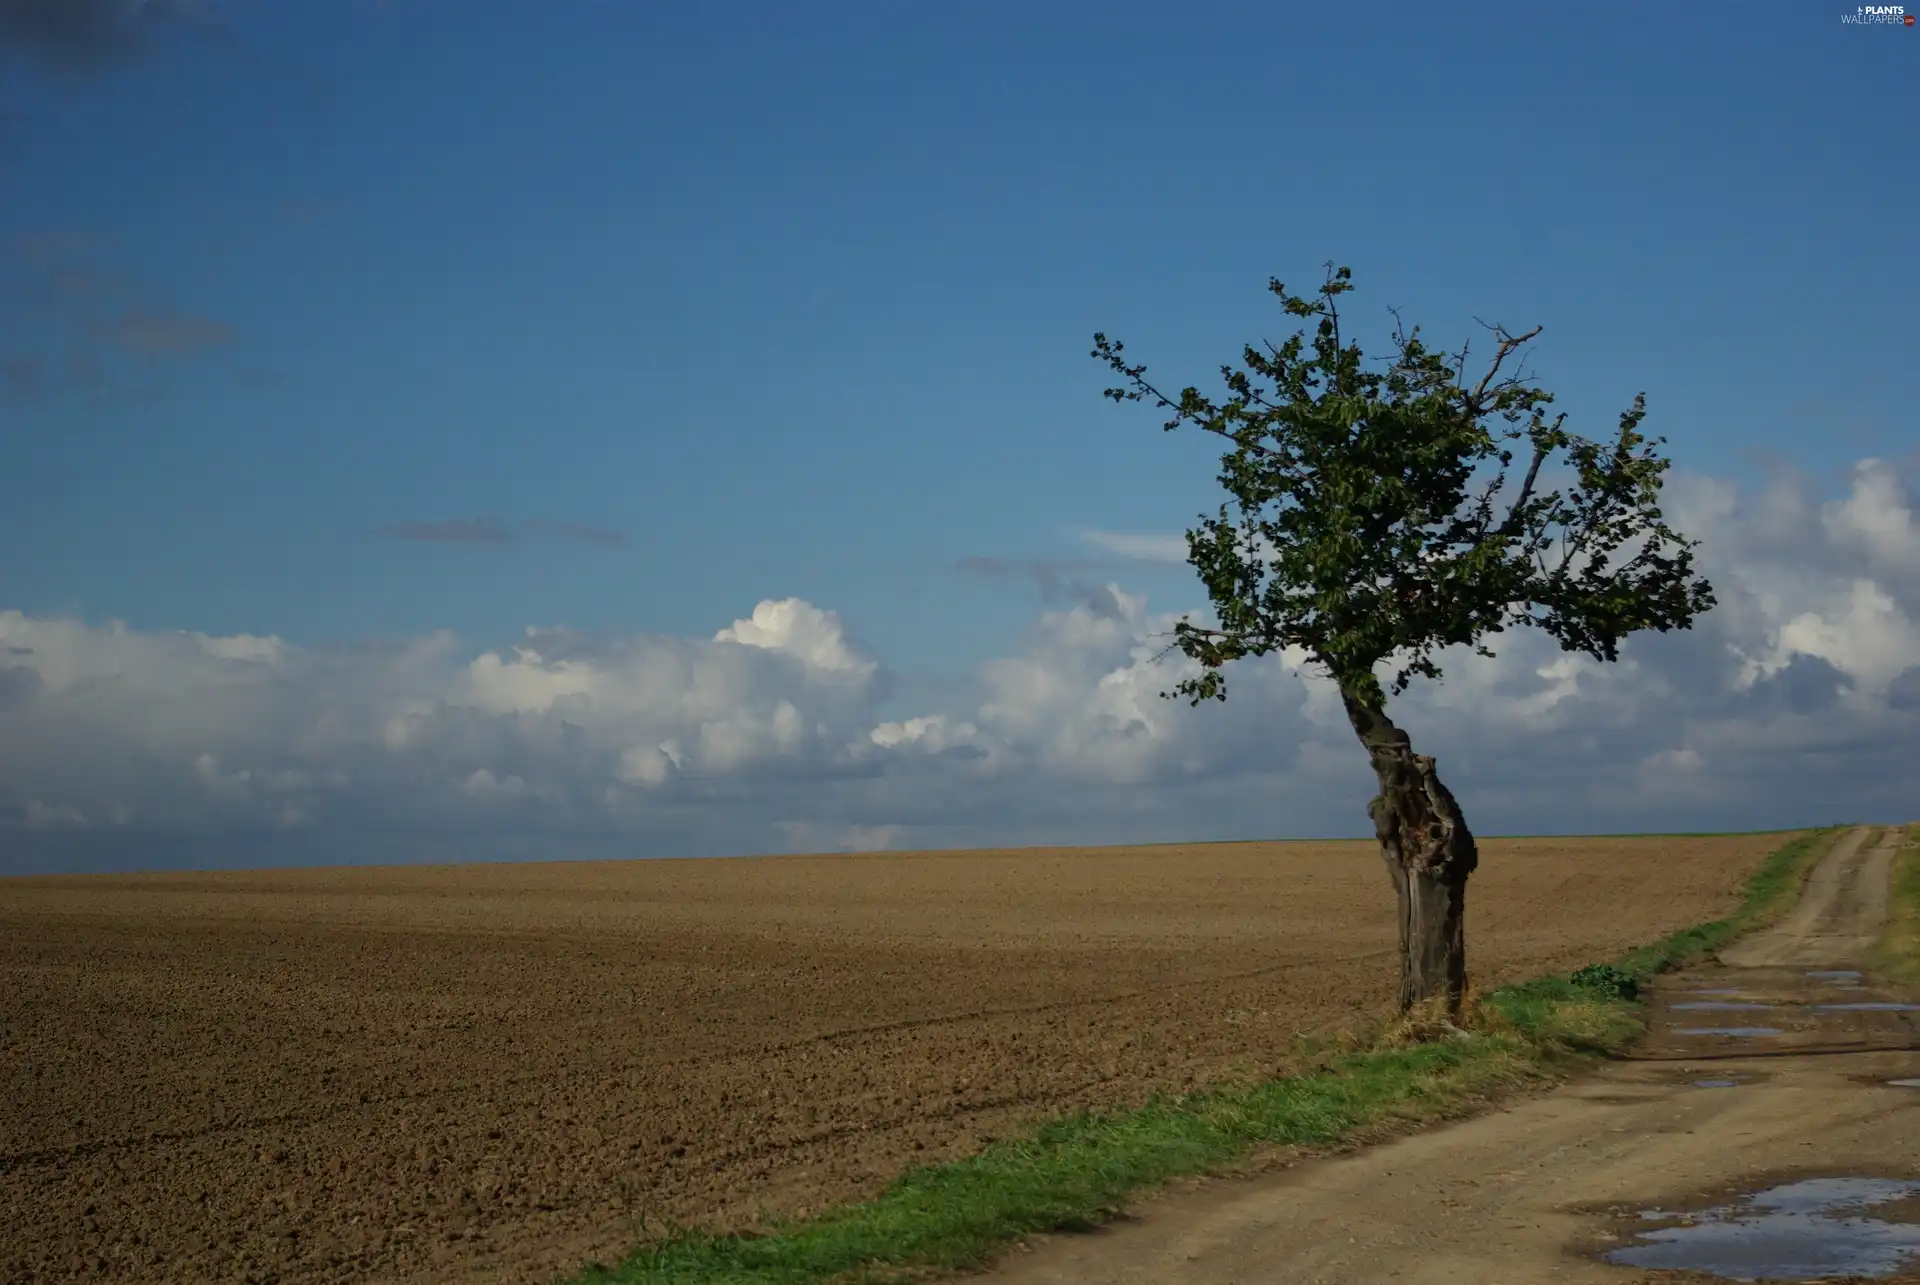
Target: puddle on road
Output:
[(1868, 1006), (1835, 974), (1723, 1006), (1905, 1084), (1716, 1084), (1809, 1229), (1737, 1032)]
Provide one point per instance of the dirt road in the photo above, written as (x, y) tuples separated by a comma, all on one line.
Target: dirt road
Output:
[(1838, 916), (1531, 1194), (490, 1073)]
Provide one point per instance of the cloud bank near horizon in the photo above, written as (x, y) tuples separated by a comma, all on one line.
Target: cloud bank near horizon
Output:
[(1795, 702)]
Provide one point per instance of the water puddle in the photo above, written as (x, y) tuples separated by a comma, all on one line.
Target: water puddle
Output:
[(1809, 1229), (1835, 974), (1723, 1006), (1871, 1006), (1716, 1084), (1905, 1084), (1714, 990), (1737, 1032)]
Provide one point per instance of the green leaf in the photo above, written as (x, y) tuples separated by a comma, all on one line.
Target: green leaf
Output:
[(1377, 514)]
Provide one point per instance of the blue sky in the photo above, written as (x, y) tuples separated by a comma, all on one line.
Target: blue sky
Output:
[(711, 305)]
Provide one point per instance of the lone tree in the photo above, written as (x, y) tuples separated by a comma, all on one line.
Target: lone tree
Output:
[(1371, 526)]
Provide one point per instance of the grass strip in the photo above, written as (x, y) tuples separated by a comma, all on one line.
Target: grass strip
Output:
[(1076, 1172), (1767, 895), (1897, 954)]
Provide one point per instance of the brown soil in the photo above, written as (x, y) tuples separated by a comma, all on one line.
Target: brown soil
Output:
[(495, 1073), (1534, 1193)]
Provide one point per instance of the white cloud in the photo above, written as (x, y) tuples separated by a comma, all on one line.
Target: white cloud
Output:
[(647, 764), (1864, 633), (932, 733), (484, 784), (1877, 518), (802, 630), (1143, 548), (1796, 701)]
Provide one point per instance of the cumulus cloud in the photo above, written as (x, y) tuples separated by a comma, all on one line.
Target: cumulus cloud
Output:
[(1796, 702)]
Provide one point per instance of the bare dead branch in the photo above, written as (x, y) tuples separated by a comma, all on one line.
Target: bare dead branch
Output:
[(1508, 344)]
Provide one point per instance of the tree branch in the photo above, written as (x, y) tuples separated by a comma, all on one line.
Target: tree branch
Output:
[(1180, 410), (1508, 343), (1540, 452)]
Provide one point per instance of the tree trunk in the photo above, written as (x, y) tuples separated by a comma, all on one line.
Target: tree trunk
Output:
[(1429, 854)]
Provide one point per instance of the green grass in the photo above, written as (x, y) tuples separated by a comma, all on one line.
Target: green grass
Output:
[(1368, 839), (1897, 956), (1077, 1172), (1646, 834), (1768, 894)]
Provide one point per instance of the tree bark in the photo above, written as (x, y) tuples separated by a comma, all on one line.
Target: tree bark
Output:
[(1429, 853)]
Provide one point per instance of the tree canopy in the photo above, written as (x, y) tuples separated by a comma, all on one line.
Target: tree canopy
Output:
[(1374, 516)]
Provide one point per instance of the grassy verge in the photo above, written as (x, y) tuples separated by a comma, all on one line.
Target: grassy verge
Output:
[(1897, 955), (1077, 1172)]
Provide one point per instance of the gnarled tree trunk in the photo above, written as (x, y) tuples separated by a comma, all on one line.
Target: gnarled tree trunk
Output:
[(1429, 854)]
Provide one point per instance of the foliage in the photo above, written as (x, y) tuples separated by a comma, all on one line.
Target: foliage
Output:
[(1897, 954), (1370, 517), (1606, 979)]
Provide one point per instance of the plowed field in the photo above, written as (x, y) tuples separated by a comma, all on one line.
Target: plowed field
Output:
[(495, 1073)]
